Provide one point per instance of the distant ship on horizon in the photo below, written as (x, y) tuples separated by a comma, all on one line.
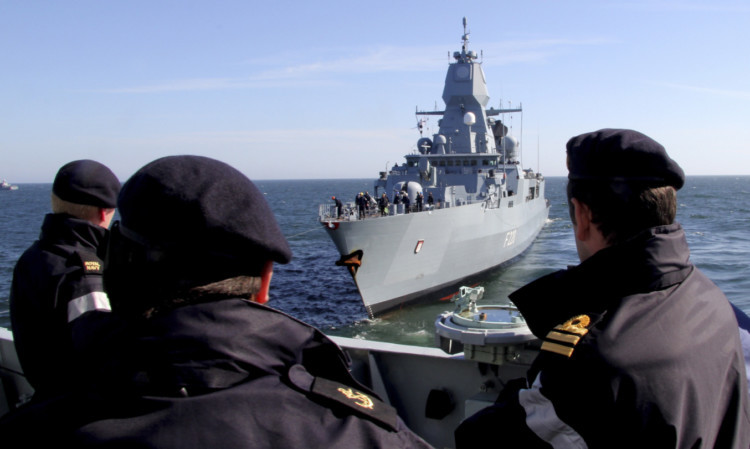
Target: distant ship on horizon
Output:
[(5, 185)]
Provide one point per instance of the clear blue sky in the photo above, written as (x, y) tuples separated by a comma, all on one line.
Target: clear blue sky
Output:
[(328, 89)]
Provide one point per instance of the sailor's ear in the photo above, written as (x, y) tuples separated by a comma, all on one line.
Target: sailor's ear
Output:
[(265, 283), (582, 215)]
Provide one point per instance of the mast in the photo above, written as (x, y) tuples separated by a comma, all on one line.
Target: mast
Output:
[(465, 125)]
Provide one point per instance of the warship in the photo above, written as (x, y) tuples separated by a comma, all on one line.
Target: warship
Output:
[(459, 206)]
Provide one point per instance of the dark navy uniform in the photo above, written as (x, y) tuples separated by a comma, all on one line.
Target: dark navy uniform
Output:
[(57, 286), (222, 374), (640, 349)]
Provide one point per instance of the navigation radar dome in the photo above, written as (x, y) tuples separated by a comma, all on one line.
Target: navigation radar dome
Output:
[(411, 188), (439, 143), (470, 118), (510, 146)]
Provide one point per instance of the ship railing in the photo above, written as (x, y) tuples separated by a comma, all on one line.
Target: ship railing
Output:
[(327, 212), (349, 212)]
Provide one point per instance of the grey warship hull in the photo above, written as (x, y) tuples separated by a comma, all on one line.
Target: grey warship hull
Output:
[(458, 206), (410, 256)]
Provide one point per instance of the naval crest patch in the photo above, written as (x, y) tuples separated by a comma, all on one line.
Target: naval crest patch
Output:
[(86, 260), (359, 399), (362, 403), (92, 265)]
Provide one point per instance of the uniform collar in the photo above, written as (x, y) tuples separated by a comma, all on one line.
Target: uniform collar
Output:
[(214, 345), (68, 230), (652, 260)]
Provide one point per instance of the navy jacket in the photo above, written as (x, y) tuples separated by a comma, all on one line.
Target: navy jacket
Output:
[(223, 374), (57, 302), (639, 349)]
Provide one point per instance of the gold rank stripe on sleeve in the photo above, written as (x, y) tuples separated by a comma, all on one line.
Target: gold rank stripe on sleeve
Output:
[(564, 337), (567, 351)]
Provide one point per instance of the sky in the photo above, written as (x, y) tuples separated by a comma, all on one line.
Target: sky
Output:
[(328, 89)]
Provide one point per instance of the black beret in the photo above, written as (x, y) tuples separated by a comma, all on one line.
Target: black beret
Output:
[(199, 205), (87, 182), (622, 155)]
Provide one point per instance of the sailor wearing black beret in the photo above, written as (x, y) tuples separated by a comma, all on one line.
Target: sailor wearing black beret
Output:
[(619, 331), (190, 221), (622, 155), (200, 362), (87, 182), (57, 283)]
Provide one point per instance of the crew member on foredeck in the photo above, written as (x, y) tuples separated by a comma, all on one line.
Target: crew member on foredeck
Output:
[(57, 295), (204, 364), (639, 348), (338, 206)]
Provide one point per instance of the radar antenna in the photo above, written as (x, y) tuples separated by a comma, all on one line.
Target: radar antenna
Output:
[(420, 125)]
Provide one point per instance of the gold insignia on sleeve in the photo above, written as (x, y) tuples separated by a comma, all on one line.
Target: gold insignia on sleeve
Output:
[(92, 265), (576, 325), (360, 399), (564, 337)]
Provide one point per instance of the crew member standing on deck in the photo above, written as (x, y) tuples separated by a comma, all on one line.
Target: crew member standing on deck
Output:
[(204, 364), (383, 204), (361, 205), (57, 283), (639, 348), (338, 206), (368, 202)]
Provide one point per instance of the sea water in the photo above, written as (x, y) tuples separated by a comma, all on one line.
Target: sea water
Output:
[(714, 210)]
